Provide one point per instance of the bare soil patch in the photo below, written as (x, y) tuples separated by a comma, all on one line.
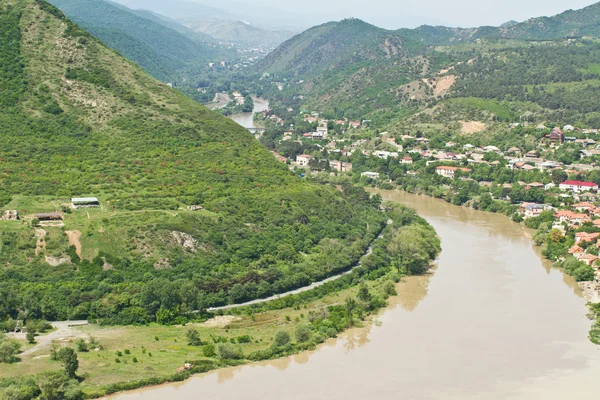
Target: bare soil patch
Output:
[(74, 237), (472, 126)]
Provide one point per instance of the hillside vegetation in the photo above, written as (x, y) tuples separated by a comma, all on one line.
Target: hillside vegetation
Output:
[(161, 51), (77, 119), (546, 66)]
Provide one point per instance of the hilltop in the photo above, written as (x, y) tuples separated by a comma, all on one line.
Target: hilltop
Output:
[(356, 70), (188, 199)]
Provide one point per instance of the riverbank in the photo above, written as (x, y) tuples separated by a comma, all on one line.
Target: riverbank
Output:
[(493, 322), (125, 358)]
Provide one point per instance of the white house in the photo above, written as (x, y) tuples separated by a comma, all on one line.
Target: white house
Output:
[(449, 172), (578, 186), (303, 159)]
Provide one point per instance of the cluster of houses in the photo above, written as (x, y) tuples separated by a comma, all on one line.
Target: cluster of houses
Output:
[(53, 216)]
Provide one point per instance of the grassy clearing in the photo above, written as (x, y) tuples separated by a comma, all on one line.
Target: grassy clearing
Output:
[(157, 351)]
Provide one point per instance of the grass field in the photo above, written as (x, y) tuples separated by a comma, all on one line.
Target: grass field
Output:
[(156, 350)]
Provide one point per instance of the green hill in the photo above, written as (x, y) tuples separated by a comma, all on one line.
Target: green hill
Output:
[(356, 70), (164, 53), (77, 119)]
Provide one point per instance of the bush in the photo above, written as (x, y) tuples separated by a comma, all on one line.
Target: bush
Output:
[(209, 350), (389, 288), (226, 351), (9, 350), (193, 337), (303, 334), (82, 346), (281, 339)]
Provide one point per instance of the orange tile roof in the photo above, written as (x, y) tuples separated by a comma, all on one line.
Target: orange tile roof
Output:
[(575, 249)]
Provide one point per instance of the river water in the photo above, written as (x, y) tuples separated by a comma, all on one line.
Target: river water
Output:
[(247, 119), (492, 321)]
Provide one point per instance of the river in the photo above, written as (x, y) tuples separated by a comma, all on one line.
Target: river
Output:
[(492, 321), (247, 119)]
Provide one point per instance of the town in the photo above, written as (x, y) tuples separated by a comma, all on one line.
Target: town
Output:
[(552, 176)]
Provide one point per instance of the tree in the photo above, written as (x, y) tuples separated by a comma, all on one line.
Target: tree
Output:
[(559, 176), (70, 362), (8, 351), (281, 338), (193, 337), (363, 293), (409, 250), (303, 334)]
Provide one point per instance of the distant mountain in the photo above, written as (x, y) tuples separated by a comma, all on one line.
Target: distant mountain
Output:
[(332, 45), (179, 8), (357, 68), (169, 23), (165, 53), (236, 31)]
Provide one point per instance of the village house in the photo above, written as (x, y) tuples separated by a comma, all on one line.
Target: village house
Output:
[(449, 172), (341, 166), (303, 160), (531, 210), (407, 160), (280, 157), (584, 237), (557, 136), (576, 251), (585, 196), (578, 186), (531, 154), (384, 155), (583, 207), (372, 175), (589, 259), (317, 136), (323, 131)]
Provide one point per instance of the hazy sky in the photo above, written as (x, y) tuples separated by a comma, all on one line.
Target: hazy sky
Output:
[(394, 14)]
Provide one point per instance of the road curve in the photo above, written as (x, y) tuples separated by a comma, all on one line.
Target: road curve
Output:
[(300, 290)]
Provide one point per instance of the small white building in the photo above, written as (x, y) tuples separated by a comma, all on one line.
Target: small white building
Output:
[(372, 175), (303, 160)]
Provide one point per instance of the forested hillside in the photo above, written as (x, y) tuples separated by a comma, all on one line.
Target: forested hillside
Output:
[(547, 66), (163, 52), (189, 200)]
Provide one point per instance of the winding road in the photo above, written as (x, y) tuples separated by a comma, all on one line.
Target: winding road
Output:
[(303, 289)]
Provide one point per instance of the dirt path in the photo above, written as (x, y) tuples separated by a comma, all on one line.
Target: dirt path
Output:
[(63, 332), (74, 237)]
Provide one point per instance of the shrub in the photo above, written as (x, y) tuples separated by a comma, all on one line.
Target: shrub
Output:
[(9, 350), (281, 339), (193, 337), (303, 334), (209, 350), (226, 351)]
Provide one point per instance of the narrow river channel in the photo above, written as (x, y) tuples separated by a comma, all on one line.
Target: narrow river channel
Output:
[(247, 119), (492, 321)]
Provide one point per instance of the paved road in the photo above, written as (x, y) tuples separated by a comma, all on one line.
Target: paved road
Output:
[(304, 289)]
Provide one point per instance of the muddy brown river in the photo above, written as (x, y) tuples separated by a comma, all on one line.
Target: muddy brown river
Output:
[(492, 321)]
